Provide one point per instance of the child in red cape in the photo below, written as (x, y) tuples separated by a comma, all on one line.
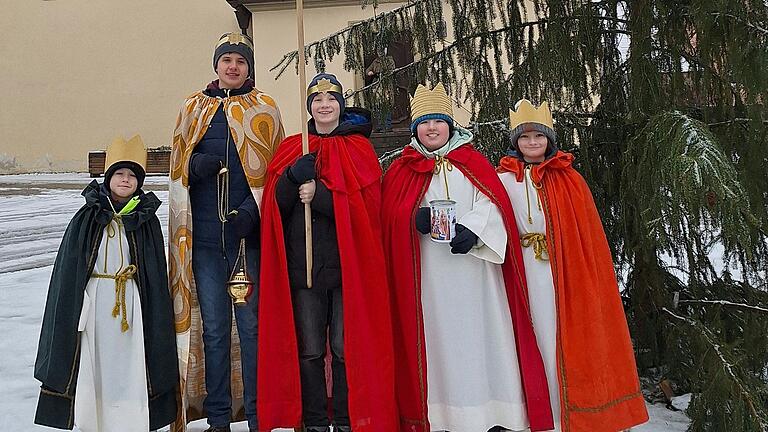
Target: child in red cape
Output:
[(349, 299), (465, 351)]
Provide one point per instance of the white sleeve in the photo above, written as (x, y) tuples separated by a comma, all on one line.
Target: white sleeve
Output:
[(486, 221)]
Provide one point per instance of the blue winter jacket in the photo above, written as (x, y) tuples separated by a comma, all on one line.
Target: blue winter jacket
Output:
[(203, 191)]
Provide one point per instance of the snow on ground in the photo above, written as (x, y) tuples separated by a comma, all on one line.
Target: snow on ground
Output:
[(67, 178), (34, 215), (34, 212), (663, 419)]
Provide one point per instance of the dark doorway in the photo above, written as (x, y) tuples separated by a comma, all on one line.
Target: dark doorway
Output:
[(397, 53)]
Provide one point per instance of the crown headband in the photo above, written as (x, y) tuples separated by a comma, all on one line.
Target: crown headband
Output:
[(235, 39), (435, 101), (324, 86), (525, 112)]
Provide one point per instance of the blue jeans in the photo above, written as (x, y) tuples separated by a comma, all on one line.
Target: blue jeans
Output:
[(211, 271), (318, 314)]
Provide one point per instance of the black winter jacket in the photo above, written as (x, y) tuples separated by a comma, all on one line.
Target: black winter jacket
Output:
[(326, 264)]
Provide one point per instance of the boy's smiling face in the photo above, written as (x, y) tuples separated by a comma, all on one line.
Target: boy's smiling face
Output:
[(123, 184), (433, 133), (533, 145), (325, 111), (232, 69)]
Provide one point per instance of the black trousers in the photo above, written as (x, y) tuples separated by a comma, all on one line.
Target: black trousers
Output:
[(318, 315)]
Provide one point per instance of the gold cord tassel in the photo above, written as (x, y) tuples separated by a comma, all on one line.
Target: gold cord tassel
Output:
[(526, 177), (527, 196), (443, 165), (121, 279), (539, 243)]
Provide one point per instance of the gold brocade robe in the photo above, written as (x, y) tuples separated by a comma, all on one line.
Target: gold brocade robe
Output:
[(256, 129)]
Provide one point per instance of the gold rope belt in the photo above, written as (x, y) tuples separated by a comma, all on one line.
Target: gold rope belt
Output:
[(121, 278), (539, 243)]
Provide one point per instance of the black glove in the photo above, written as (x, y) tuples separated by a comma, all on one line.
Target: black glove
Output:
[(463, 241), (204, 165), (303, 169), (242, 223), (423, 220)]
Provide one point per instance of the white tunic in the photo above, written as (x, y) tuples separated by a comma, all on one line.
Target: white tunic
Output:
[(538, 274), (111, 392), (473, 377)]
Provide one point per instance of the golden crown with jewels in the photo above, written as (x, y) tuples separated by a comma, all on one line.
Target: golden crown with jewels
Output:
[(121, 150), (435, 101), (525, 112)]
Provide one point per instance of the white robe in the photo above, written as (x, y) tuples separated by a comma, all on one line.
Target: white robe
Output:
[(538, 274), (473, 377), (111, 392)]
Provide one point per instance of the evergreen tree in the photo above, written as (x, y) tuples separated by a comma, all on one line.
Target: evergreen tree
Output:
[(663, 102)]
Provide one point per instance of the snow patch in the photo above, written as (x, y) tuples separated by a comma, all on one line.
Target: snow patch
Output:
[(681, 402)]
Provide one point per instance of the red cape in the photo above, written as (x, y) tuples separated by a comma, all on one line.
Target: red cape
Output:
[(599, 388), (405, 184), (348, 166)]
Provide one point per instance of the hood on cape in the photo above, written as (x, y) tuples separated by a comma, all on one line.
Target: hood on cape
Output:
[(213, 89), (354, 120), (460, 137)]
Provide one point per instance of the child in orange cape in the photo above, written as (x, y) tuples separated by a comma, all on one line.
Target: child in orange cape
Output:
[(575, 306)]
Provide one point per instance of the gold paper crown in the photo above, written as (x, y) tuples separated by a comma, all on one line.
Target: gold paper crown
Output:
[(434, 101), (126, 151), (323, 85), (234, 39), (525, 112)]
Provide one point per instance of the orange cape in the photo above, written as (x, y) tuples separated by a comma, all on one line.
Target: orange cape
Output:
[(599, 388)]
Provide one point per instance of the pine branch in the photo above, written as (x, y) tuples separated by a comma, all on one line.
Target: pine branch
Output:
[(559, 113), (670, 167), (696, 61), (388, 156), (441, 53), (727, 365), (726, 303), (292, 56), (743, 21), (736, 120)]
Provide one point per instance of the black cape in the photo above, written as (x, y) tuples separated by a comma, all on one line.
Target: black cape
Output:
[(58, 352)]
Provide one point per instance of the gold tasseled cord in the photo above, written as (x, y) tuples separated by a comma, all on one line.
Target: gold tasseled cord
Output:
[(121, 279), (526, 178), (122, 275), (443, 165), (539, 243)]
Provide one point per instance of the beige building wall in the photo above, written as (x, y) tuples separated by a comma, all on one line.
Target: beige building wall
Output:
[(77, 73)]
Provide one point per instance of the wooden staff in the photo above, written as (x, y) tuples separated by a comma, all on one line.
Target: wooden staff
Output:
[(304, 131)]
